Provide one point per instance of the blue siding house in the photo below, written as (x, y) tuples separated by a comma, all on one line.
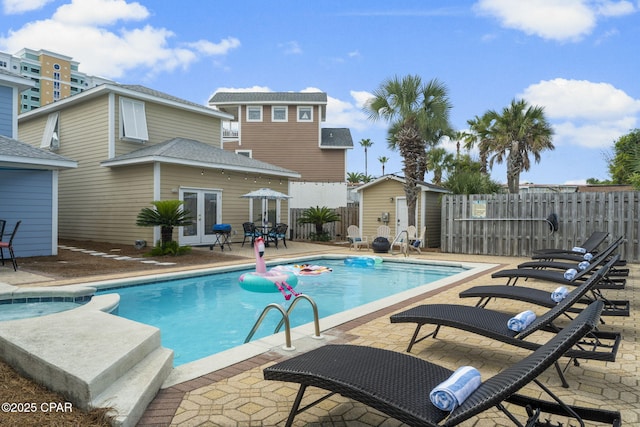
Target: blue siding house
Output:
[(28, 179)]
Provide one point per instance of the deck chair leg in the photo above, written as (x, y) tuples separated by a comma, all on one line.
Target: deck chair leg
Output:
[(563, 379), (415, 340), (296, 405)]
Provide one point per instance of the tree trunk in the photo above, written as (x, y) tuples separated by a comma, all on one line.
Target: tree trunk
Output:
[(166, 234)]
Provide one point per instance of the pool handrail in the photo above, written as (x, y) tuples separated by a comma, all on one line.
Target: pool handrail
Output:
[(314, 306)]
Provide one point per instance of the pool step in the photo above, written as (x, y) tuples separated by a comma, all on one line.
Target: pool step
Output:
[(131, 393), (90, 357)]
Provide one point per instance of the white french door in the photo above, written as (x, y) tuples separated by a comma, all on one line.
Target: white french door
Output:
[(206, 209)]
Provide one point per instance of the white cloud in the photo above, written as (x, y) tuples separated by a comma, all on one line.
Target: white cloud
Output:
[(615, 8), (581, 99), (549, 19), (291, 48), (99, 12), (21, 6), (93, 32), (584, 113)]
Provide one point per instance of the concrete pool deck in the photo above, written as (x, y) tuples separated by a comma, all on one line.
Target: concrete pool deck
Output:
[(238, 395)]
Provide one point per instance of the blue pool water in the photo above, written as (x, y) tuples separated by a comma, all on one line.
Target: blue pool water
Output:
[(201, 316)]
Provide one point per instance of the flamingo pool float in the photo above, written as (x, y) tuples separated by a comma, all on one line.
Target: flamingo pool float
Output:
[(268, 281)]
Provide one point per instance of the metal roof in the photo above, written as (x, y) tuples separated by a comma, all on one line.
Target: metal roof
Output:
[(190, 152)]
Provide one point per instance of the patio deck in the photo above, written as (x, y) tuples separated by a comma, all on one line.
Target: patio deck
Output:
[(239, 396)]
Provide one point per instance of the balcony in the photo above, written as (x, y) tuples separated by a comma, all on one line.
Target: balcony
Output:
[(230, 130)]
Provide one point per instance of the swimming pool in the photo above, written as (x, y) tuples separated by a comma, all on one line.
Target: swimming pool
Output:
[(204, 315)]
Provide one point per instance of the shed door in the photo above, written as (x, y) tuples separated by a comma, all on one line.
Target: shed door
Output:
[(402, 217)]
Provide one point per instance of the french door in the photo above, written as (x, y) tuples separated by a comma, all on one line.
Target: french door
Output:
[(206, 209)]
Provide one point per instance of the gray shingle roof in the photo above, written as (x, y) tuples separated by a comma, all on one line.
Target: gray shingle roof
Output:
[(158, 94), (196, 153), (336, 138), (268, 97), (14, 151)]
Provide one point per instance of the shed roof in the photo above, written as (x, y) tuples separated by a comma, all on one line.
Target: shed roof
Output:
[(422, 184), (14, 153)]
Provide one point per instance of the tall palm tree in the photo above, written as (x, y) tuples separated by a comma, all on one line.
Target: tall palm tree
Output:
[(383, 160), (366, 143), (418, 115), (439, 161), (479, 133), (354, 177), (515, 134)]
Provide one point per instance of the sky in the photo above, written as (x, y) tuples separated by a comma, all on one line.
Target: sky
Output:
[(576, 58)]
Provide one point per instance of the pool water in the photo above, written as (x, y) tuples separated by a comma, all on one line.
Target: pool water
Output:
[(201, 316), (25, 310)]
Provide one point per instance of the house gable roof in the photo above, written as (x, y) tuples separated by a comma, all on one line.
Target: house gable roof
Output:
[(134, 91), (228, 98), (14, 153), (336, 138), (189, 152), (424, 186)]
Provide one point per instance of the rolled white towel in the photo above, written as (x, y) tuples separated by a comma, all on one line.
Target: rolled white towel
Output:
[(450, 394), (578, 249), (570, 274), (588, 256), (559, 294), (519, 322), (583, 265)]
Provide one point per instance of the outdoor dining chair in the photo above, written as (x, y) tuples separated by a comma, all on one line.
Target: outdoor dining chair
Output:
[(250, 231), (9, 245)]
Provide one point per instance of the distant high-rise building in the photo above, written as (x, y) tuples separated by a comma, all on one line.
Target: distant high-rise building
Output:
[(56, 76)]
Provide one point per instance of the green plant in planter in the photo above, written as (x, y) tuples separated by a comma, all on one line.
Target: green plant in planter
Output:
[(318, 216), (169, 248)]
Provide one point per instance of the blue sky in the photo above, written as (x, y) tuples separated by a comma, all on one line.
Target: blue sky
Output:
[(576, 58)]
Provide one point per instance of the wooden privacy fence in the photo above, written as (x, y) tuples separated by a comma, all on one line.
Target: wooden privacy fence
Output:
[(516, 224), (337, 230)]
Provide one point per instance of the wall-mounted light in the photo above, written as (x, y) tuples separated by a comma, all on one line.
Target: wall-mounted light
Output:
[(202, 172), (391, 199)]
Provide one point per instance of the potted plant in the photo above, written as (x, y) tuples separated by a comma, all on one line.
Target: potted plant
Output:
[(319, 216)]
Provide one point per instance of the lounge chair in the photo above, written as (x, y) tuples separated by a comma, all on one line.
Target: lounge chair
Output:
[(542, 297), (399, 384), (590, 245), (356, 238), (557, 276), (493, 324)]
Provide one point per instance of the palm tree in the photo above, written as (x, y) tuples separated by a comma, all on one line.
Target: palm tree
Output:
[(318, 216), (166, 214), (354, 177), (479, 132), (366, 143), (520, 131), (439, 161), (383, 160), (419, 116)]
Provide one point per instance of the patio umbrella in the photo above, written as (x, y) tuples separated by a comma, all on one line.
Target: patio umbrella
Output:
[(266, 194)]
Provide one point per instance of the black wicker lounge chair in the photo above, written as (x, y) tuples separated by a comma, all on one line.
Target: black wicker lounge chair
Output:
[(542, 297), (599, 345), (557, 276), (399, 384), (589, 245)]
